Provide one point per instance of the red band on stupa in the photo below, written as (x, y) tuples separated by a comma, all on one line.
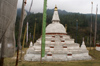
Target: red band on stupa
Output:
[(56, 33)]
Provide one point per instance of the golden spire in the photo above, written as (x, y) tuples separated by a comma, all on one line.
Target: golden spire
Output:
[(55, 8)]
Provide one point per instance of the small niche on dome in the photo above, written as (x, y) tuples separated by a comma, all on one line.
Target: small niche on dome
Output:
[(51, 46), (64, 46), (53, 36), (62, 41), (61, 36), (49, 54), (52, 40), (69, 54)]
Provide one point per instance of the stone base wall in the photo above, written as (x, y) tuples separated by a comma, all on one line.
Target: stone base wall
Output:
[(57, 57), (98, 48)]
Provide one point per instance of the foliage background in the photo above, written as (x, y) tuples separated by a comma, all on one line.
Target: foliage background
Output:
[(65, 18)]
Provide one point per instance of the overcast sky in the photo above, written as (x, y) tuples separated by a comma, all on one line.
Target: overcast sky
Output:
[(78, 6)]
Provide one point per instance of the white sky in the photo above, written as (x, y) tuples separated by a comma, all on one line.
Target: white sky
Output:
[(81, 6)]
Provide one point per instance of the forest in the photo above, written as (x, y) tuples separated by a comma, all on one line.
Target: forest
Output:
[(73, 20)]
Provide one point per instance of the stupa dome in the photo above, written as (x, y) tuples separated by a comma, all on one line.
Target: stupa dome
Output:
[(55, 27)]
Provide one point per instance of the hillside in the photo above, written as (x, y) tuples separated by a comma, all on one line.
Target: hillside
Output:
[(65, 18)]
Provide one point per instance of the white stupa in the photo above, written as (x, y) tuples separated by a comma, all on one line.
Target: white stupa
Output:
[(83, 45), (58, 45), (31, 44), (98, 46)]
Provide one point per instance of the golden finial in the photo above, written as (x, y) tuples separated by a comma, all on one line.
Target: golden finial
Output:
[(55, 8)]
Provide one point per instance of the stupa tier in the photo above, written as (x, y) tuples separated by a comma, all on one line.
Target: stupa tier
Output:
[(58, 45)]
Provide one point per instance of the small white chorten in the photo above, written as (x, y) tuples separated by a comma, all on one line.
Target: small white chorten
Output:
[(31, 44), (98, 46), (83, 45)]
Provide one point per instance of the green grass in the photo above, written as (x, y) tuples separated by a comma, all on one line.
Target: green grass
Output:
[(94, 62)]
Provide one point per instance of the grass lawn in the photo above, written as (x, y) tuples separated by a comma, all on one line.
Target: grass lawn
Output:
[(94, 62)]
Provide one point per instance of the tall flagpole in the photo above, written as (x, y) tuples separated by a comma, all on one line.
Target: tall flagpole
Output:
[(27, 21), (26, 32), (20, 31), (95, 32), (34, 30), (91, 25), (43, 30), (23, 43), (66, 27), (76, 30), (27, 35)]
